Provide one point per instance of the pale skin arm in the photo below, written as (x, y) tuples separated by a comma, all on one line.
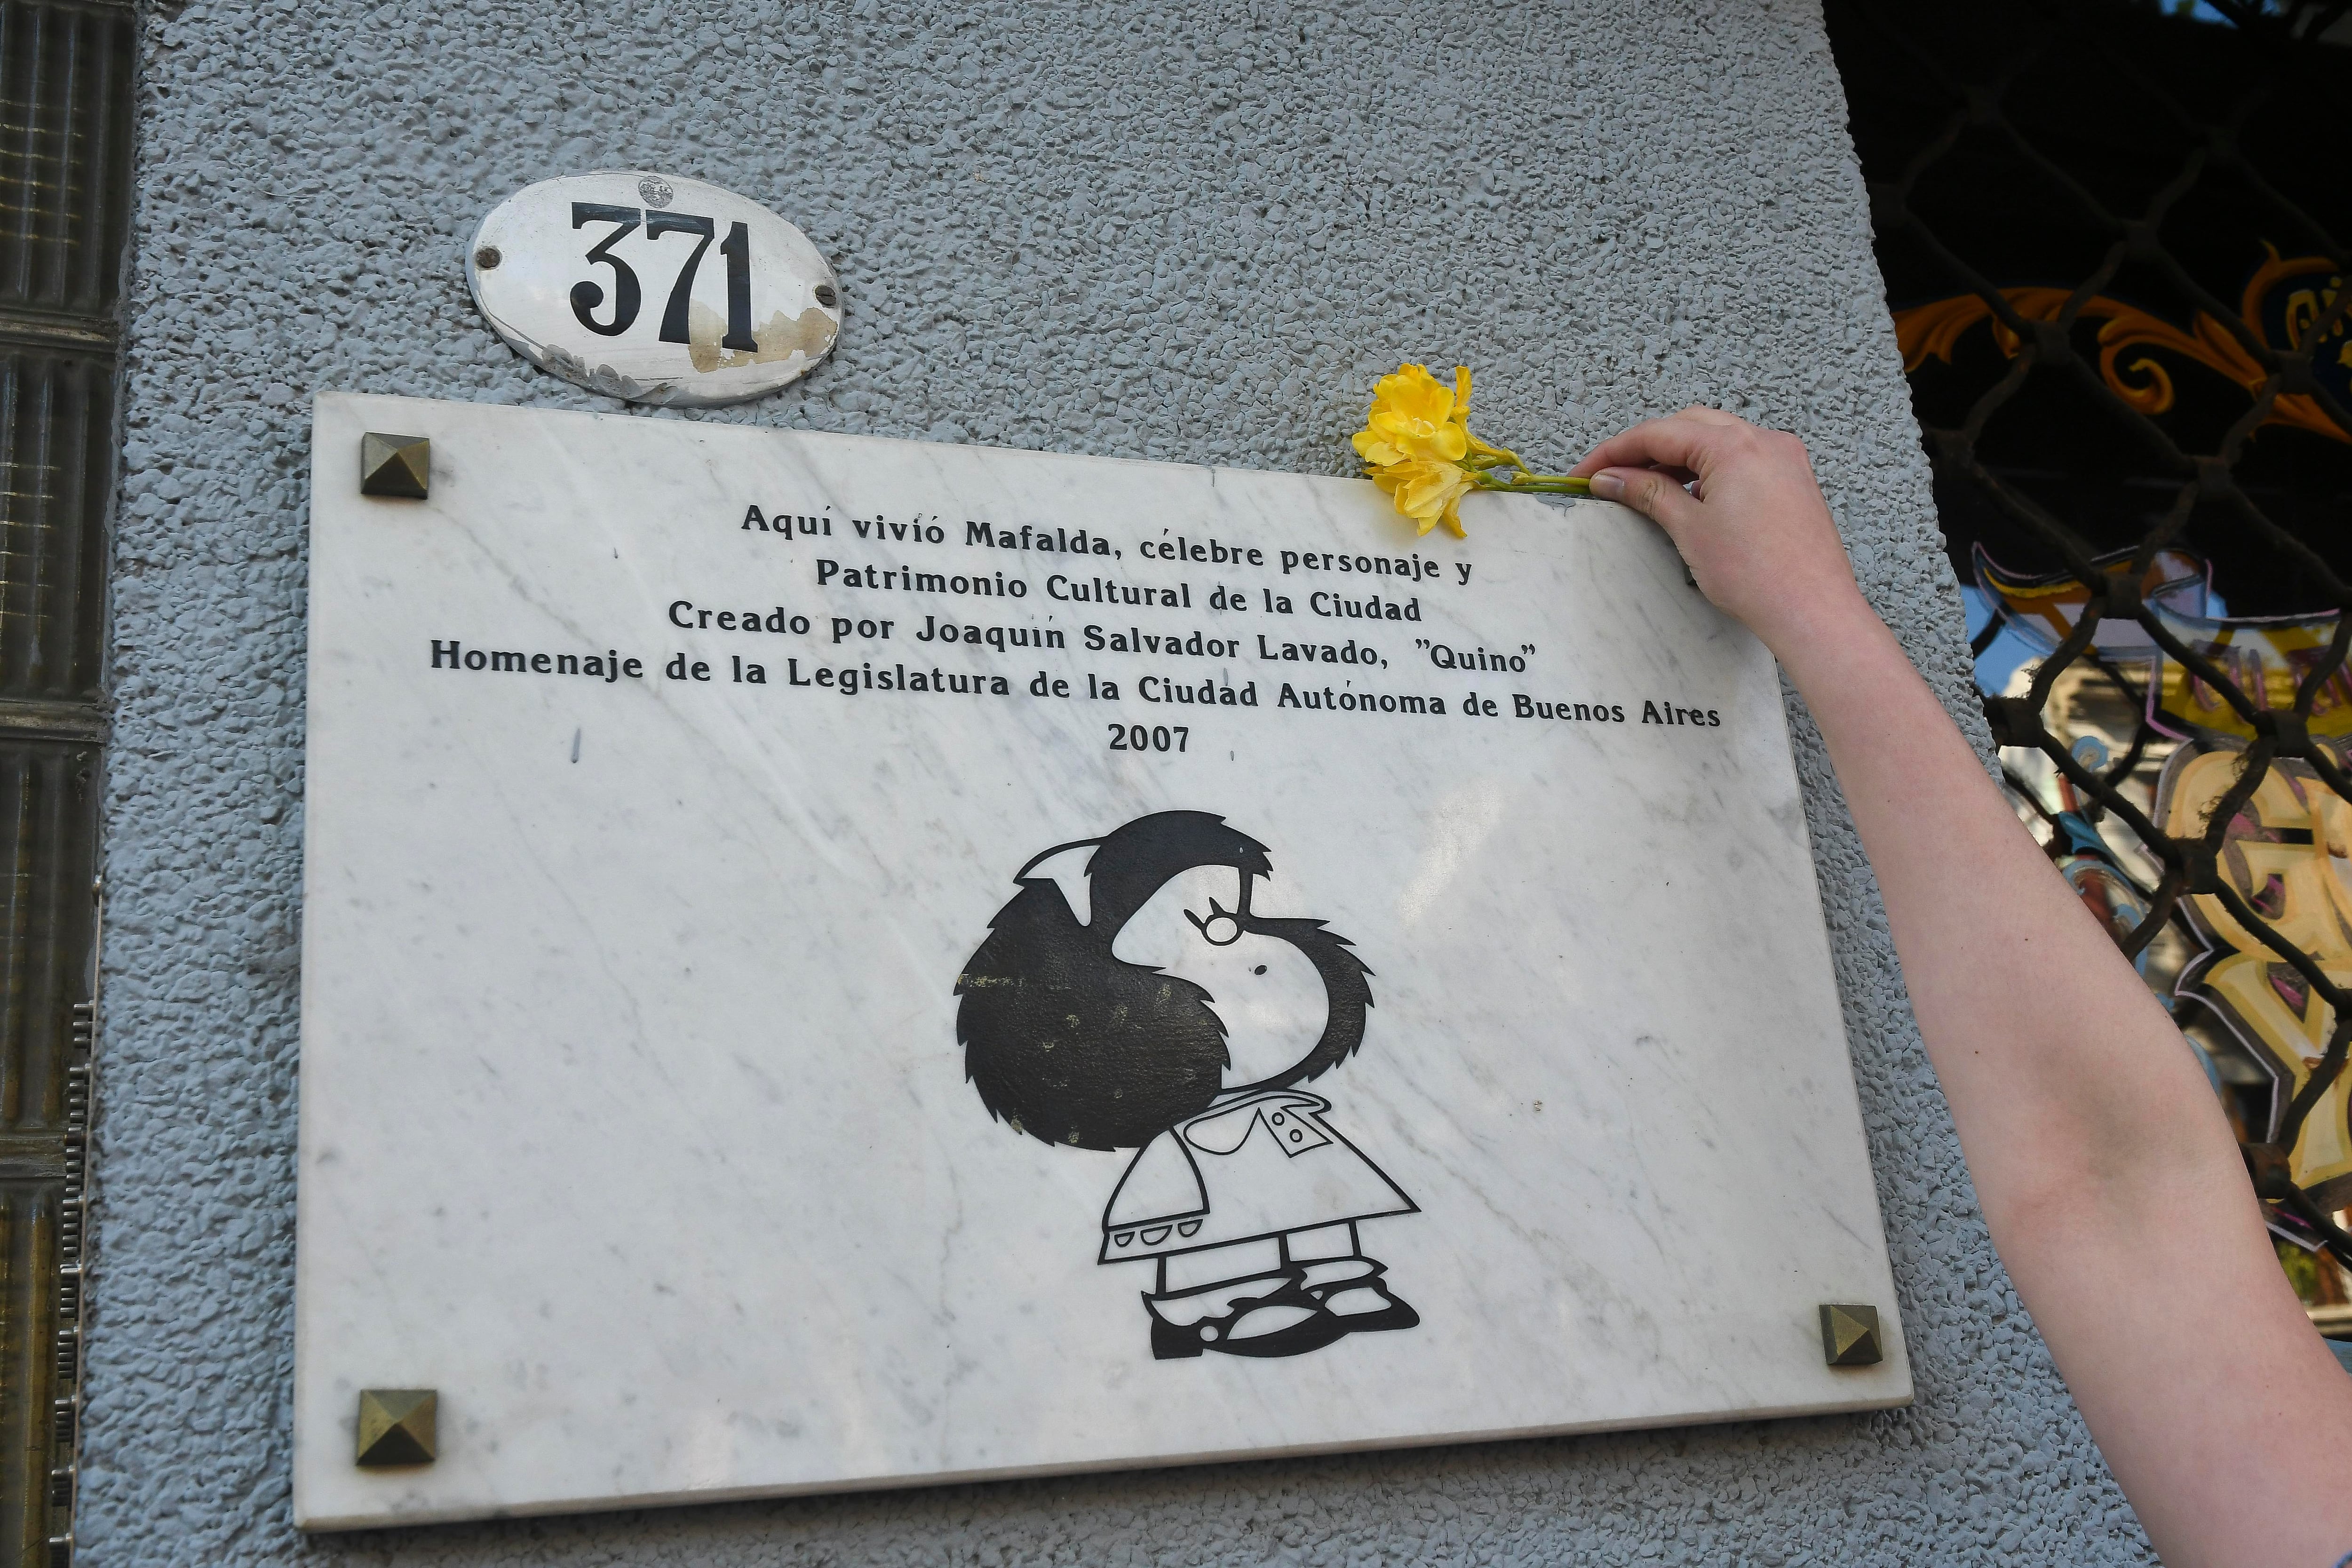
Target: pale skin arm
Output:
[(2109, 1175)]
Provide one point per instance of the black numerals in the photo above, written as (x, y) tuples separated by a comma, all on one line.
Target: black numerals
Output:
[(681, 292), (1149, 737), (737, 248), (626, 295)]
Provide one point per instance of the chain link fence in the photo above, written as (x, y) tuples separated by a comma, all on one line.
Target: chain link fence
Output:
[(2117, 437)]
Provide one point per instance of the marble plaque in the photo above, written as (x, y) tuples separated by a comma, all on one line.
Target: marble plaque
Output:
[(838, 962)]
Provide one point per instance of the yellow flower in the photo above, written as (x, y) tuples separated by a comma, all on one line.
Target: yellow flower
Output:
[(1416, 444), (1415, 414), (1428, 492)]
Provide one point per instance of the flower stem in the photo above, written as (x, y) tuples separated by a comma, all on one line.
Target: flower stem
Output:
[(1537, 484)]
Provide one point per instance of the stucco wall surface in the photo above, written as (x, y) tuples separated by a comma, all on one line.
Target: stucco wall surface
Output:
[(1131, 228)]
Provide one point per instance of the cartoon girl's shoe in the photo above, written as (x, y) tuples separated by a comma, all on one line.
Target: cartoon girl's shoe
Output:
[(1169, 1342), (1353, 1289), (1186, 1322), (1264, 1315), (1326, 1275), (1369, 1308), (1288, 1327)]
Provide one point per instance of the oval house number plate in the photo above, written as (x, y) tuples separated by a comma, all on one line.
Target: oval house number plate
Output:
[(654, 287)]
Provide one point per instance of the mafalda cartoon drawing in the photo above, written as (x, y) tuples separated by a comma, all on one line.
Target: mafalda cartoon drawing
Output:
[(1131, 996)]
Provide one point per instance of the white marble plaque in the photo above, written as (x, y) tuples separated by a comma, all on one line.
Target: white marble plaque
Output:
[(837, 963)]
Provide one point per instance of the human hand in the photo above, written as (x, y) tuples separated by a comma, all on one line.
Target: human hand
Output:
[(1752, 527)]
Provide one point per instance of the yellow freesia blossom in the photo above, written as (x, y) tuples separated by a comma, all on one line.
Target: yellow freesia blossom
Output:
[(1415, 415), (1416, 444), (1428, 492)]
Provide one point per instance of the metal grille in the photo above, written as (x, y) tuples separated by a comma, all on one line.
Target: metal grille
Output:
[(56, 450), (64, 148), (2125, 415), (49, 933), (65, 207)]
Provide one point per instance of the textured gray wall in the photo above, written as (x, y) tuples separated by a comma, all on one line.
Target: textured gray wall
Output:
[(1132, 228)]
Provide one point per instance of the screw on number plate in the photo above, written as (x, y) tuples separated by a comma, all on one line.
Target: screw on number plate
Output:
[(487, 258), (826, 296)]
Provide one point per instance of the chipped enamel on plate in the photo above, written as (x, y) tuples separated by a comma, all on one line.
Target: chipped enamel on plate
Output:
[(589, 278)]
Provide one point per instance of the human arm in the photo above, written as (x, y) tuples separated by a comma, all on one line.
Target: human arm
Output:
[(2108, 1173)]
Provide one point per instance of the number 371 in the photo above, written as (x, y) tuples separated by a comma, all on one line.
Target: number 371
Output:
[(628, 295)]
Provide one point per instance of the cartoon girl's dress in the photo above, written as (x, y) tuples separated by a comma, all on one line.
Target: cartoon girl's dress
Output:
[(1260, 1166)]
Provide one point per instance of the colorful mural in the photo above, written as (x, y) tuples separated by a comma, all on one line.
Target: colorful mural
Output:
[(2266, 657), (2283, 303), (2288, 854)]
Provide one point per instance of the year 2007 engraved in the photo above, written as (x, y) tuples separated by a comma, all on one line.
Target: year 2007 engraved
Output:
[(1149, 737)]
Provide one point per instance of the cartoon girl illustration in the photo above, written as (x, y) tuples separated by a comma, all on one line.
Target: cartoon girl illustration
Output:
[(1118, 1002)]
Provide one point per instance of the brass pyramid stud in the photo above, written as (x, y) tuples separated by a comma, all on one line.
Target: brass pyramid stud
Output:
[(395, 464), (397, 1425), (1850, 1336)]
